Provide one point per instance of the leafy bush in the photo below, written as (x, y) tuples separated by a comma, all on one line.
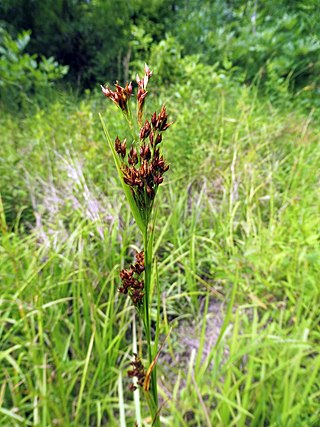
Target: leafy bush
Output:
[(21, 74), (92, 37), (254, 38)]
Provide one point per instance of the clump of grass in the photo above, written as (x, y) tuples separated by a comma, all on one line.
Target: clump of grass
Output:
[(141, 168), (241, 210)]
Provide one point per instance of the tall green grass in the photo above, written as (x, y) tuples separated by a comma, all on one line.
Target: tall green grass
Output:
[(238, 262)]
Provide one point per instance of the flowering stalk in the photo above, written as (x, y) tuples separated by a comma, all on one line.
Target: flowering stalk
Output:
[(141, 168)]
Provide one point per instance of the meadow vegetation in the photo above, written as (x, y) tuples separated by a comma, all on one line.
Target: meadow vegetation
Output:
[(237, 242)]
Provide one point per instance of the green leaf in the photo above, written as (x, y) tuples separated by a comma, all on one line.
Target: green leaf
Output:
[(137, 214)]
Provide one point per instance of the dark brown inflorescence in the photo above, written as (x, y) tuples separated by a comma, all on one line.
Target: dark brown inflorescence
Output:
[(120, 96), (136, 371), (142, 164), (142, 93), (144, 169), (131, 283)]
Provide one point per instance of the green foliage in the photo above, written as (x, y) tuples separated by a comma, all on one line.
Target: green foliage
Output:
[(237, 232), (249, 40), (237, 237), (254, 37), (21, 74), (140, 45), (167, 59), (96, 39), (90, 37)]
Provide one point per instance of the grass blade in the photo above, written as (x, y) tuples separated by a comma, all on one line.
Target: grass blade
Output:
[(140, 220)]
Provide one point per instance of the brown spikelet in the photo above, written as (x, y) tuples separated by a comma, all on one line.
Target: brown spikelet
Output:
[(137, 371), (143, 167), (120, 96), (130, 283)]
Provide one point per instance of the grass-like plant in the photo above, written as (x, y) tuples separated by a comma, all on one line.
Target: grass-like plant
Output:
[(240, 215), (141, 168)]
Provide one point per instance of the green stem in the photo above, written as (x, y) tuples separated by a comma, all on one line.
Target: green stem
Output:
[(147, 241), (147, 286)]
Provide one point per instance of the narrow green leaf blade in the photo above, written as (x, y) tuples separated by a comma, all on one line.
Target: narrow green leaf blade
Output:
[(140, 220)]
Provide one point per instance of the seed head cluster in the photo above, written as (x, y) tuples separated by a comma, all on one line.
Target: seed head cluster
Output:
[(120, 96), (130, 280), (136, 371), (142, 93), (142, 164), (143, 169)]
